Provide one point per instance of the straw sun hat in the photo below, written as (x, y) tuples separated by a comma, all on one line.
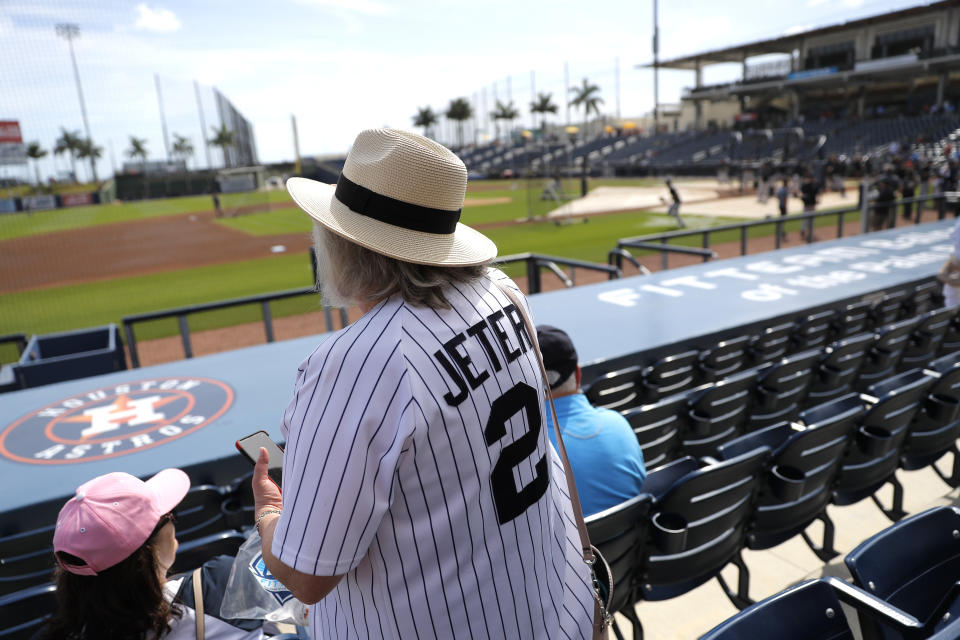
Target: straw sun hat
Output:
[(399, 194)]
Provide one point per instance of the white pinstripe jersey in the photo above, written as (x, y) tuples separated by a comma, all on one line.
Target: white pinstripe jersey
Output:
[(417, 464)]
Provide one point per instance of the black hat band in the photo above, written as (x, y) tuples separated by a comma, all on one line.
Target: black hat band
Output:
[(374, 205)]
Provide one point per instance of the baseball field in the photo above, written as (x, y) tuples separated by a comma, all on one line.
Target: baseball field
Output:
[(87, 266)]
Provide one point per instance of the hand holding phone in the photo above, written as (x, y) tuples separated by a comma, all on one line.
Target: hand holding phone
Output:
[(250, 445)]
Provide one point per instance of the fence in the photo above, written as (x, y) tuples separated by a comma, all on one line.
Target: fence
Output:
[(534, 262), (181, 314), (661, 243)]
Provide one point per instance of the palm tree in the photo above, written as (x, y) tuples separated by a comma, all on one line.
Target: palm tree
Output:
[(543, 105), (503, 112), (138, 149), (459, 110), (222, 138), (35, 152), (425, 118), (586, 96), (182, 147), (67, 143), (86, 149)]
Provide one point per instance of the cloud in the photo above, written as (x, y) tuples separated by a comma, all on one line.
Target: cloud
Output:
[(799, 28), (367, 7), (157, 20), (845, 3)]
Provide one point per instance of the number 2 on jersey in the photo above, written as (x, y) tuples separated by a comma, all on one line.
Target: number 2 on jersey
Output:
[(509, 501)]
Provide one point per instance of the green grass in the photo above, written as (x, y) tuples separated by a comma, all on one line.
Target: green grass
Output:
[(18, 225), (95, 303)]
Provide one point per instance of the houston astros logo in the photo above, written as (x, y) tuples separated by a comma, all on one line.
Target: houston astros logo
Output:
[(113, 421)]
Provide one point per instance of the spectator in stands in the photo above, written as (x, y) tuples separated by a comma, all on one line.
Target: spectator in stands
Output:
[(808, 195), (884, 207), (908, 188), (114, 544), (604, 454)]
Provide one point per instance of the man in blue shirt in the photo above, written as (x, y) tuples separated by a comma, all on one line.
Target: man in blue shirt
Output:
[(604, 454)]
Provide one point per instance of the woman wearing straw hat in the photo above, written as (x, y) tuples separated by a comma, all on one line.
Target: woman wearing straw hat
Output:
[(419, 488), (114, 543)]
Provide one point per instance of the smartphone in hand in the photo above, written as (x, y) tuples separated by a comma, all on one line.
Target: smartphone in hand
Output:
[(250, 445)]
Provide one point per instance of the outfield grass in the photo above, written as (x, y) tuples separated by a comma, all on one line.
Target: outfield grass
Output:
[(16, 225)]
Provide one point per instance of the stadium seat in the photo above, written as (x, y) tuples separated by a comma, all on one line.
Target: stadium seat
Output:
[(771, 343), (699, 523), (926, 338), (237, 506), (913, 565), (781, 389), (717, 412), (889, 308), (813, 330), (798, 483), (26, 559), (873, 457), (199, 513), (659, 428), (936, 425), (922, 299), (884, 355), (194, 553), (23, 612), (853, 319), (951, 339), (811, 611), (723, 359), (839, 368), (669, 375), (616, 390), (8, 378), (619, 533)]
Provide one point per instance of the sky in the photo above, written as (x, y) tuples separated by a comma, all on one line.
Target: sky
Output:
[(341, 66)]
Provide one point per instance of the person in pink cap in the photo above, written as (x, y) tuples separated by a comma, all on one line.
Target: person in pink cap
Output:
[(114, 543)]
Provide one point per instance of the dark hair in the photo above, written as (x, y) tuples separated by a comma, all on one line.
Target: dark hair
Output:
[(124, 602)]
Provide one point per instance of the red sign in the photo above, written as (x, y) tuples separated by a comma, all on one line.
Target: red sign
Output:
[(76, 199), (10, 132)]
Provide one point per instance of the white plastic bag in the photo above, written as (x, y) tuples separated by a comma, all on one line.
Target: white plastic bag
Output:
[(253, 593)]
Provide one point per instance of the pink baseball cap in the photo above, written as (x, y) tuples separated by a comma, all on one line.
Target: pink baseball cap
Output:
[(112, 515)]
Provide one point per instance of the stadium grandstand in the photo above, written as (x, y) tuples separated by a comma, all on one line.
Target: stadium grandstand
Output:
[(797, 401)]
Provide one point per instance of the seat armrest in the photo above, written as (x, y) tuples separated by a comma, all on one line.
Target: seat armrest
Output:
[(875, 608)]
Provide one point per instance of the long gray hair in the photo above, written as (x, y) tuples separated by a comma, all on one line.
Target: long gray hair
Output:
[(349, 274)]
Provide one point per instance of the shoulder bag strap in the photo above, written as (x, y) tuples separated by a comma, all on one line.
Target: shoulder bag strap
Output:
[(590, 553), (198, 602)]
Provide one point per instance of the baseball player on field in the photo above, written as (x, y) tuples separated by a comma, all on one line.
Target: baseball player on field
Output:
[(421, 496)]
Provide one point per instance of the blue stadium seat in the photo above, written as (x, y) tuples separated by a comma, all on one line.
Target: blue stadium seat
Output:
[(853, 319), (771, 343), (619, 533), (199, 513), (951, 339), (23, 612), (659, 428), (798, 483), (913, 565), (889, 308), (936, 426), (873, 457), (839, 368), (26, 559), (927, 337), (781, 389), (194, 553), (811, 611), (718, 412), (724, 358), (699, 523), (922, 299), (669, 375), (616, 390), (812, 331), (886, 351)]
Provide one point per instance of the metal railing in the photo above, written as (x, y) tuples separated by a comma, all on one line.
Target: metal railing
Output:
[(661, 242), (181, 314), (535, 262)]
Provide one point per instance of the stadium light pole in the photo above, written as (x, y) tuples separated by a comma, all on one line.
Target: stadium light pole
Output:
[(656, 68), (70, 32)]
